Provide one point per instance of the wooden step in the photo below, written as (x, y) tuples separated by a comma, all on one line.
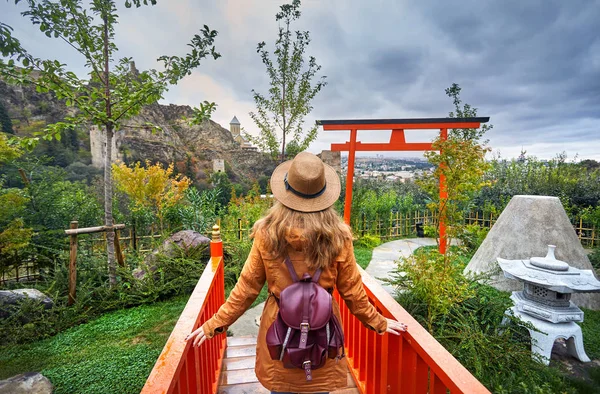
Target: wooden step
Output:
[(241, 341), (352, 390), (246, 388), (240, 351), (257, 388), (230, 364), (238, 376)]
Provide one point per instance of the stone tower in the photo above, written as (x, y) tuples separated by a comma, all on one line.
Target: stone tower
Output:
[(234, 127)]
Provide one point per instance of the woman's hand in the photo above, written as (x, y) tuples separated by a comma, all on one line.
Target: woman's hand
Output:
[(394, 327), (199, 337)]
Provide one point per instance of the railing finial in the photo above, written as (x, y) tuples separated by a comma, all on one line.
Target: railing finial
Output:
[(216, 233)]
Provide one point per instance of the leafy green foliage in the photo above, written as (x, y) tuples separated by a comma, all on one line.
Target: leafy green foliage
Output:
[(29, 321), (282, 112), (248, 208), (110, 96), (378, 201), (576, 184), (595, 259), (8, 151), (111, 354), (199, 209), (465, 317), (114, 92), (471, 237), (434, 278), (54, 202), (460, 160), (367, 241), (203, 113)]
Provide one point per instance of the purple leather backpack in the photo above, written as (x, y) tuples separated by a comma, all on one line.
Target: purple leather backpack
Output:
[(306, 332)]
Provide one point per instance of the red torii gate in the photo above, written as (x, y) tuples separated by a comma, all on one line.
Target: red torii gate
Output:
[(397, 143)]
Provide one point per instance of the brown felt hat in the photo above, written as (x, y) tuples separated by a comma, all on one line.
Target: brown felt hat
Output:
[(305, 184)]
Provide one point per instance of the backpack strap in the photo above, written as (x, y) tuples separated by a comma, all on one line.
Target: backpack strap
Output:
[(316, 276), (291, 269)]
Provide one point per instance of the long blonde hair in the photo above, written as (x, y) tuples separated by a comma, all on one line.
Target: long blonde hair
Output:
[(324, 233)]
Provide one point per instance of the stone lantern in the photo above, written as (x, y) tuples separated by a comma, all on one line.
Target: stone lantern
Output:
[(545, 301)]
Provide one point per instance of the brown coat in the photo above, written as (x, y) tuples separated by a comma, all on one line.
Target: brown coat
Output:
[(260, 267)]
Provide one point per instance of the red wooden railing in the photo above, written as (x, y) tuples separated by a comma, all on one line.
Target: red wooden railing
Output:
[(182, 368), (412, 363)]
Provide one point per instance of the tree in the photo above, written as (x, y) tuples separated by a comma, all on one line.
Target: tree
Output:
[(112, 93), (202, 113), (460, 159), (282, 112), (152, 187), (5, 121)]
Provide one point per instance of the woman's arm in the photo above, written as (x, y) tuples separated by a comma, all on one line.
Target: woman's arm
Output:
[(349, 285), (251, 281)]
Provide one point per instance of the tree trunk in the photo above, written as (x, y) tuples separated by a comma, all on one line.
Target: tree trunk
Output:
[(283, 96), (108, 200)]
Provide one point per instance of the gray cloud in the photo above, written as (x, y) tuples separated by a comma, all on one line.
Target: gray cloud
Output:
[(533, 67)]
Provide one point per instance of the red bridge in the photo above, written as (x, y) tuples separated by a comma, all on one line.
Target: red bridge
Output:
[(411, 363)]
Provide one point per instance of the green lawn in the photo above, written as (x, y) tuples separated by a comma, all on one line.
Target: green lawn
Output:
[(363, 256), (112, 354)]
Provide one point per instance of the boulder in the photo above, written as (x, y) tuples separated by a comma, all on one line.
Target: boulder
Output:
[(26, 383), (16, 296), (523, 230), (187, 242)]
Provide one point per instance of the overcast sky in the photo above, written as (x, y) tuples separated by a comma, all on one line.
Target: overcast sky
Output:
[(532, 66)]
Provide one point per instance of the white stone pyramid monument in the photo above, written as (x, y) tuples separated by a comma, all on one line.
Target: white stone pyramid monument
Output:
[(525, 228)]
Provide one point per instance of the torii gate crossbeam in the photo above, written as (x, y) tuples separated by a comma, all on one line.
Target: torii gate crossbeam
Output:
[(397, 143)]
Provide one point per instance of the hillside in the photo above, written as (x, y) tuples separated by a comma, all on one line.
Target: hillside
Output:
[(191, 148)]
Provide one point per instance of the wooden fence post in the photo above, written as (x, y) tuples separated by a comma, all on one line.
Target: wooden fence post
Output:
[(240, 229), (72, 264), (118, 250)]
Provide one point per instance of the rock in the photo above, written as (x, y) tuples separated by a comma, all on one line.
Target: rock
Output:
[(15, 297), (188, 242), (525, 228), (26, 383)]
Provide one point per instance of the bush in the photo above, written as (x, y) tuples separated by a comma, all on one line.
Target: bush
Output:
[(472, 236), (173, 276), (465, 317), (367, 241), (595, 258), (235, 255)]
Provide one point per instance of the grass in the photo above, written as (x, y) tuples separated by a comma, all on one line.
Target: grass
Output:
[(112, 354), (363, 256), (591, 333)]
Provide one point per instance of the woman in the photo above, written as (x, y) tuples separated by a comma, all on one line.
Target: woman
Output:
[(303, 225)]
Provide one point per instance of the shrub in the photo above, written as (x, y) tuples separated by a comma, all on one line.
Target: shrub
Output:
[(173, 276), (465, 317), (368, 241), (471, 237), (434, 278), (595, 258)]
